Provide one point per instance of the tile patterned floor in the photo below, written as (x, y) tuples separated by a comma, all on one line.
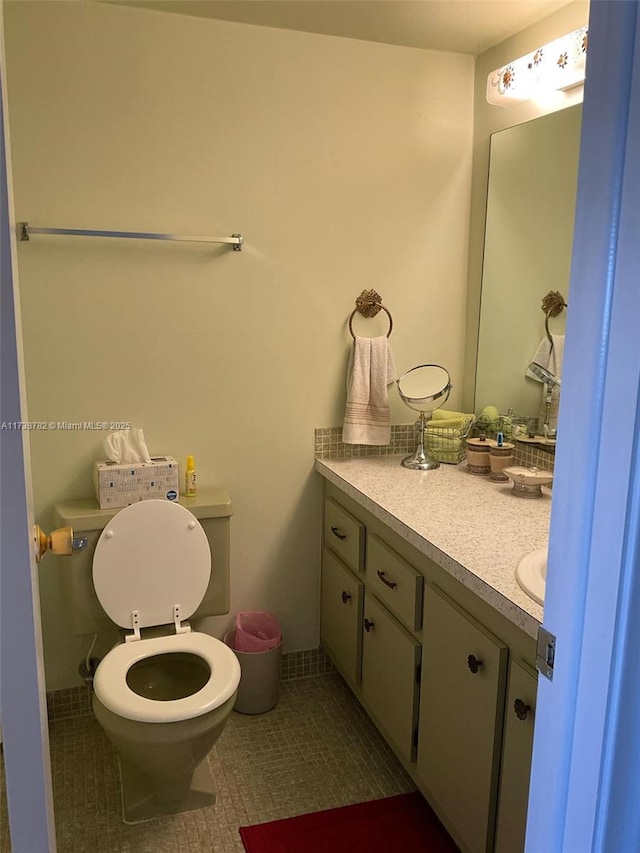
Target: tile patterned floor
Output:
[(316, 750)]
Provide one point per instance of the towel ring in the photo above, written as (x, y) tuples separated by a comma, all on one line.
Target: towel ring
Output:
[(552, 305), (369, 304)]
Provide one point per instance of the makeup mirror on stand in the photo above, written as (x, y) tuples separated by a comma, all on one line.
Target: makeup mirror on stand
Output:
[(551, 381), (424, 388)]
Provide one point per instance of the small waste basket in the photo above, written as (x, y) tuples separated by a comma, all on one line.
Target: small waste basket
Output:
[(257, 642)]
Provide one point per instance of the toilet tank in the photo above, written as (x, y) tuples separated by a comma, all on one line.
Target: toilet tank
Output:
[(211, 506)]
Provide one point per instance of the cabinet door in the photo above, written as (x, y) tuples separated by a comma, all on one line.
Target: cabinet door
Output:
[(341, 615), (517, 747), (390, 660), (461, 712)]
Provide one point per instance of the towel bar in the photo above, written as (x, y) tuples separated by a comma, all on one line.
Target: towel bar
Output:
[(24, 230)]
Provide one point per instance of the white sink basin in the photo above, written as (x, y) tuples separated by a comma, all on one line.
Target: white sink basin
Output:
[(531, 574)]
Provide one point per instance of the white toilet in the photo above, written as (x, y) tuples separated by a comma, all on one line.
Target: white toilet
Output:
[(164, 691)]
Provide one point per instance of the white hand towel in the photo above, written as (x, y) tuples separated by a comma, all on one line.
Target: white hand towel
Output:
[(367, 418), (547, 357)]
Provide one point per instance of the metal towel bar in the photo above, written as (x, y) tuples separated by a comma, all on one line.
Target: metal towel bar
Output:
[(25, 230)]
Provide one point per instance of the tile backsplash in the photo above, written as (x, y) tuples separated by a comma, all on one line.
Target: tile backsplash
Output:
[(329, 445), (529, 455)]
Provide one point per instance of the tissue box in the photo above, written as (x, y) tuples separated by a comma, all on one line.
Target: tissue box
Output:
[(119, 485)]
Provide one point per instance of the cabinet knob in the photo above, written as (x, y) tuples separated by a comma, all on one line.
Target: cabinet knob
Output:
[(391, 584), (345, 596), (473, 663), (368, 625), (336, 532), (521, 709)]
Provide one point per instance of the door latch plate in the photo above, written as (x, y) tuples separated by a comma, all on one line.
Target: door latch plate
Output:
[(545, 652)]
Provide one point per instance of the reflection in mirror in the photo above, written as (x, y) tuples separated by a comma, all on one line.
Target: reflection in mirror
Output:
[(424, 388), (544, 375), (527, 253), (551, 384)]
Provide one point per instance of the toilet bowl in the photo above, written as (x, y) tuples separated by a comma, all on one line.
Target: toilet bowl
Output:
[(163, 694)]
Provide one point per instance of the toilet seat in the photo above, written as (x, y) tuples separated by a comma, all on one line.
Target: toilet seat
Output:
[(111, 688)]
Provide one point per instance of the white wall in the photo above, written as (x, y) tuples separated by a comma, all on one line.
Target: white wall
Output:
[(345, 164)]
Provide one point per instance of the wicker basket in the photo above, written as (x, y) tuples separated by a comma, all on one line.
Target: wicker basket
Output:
[(508, 425)]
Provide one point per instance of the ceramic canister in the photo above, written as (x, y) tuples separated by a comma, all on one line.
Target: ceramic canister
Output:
[(478, 452), (499, 458)]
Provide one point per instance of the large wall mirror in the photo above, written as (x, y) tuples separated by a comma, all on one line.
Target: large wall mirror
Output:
[(527, 253)]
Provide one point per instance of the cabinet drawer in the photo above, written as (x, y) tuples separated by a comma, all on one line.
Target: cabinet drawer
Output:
[(344, 534), (341, 615), (461, 713), (390, 660), (517, 747), (394, 582)]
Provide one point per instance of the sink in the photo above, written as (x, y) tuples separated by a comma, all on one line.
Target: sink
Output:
[(531, 574)]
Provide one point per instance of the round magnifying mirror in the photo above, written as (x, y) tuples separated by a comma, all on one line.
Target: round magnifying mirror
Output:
[(545, 375), (424, 388)]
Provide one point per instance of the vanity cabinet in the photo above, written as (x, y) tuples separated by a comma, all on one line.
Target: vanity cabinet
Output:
[(390, 675), (438, 670), (341, 606), (461, 704), (371, 602), (516, 757)]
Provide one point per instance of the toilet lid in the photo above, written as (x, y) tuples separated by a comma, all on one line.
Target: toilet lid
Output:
[(151, 556)]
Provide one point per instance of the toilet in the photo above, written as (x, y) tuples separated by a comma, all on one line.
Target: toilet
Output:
[(164, 692)]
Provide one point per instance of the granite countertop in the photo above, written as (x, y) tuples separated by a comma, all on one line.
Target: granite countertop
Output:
[(473, 528)]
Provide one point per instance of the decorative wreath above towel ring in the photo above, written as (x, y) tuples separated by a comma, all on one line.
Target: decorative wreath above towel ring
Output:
[(369, 304)]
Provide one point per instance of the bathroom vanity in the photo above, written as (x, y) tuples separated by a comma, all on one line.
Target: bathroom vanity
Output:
[(422, 615)]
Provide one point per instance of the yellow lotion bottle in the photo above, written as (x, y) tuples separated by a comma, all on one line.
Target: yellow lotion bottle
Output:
[(190, 478)]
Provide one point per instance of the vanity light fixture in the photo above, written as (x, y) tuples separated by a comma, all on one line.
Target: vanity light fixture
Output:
[(557, 66)]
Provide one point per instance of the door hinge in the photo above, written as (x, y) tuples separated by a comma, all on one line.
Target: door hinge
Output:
[(419, 673), (415, 738), (545, 652)]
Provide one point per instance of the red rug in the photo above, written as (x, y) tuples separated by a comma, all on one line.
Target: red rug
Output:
[(402, 824)]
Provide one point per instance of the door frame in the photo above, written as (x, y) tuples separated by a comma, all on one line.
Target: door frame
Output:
[(23, 707), (585, 716)]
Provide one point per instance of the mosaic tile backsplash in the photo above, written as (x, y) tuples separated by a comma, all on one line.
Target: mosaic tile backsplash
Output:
[(329, 445), (529, 455)]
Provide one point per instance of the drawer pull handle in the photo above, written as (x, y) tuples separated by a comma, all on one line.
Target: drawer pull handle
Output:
[(337, 533), (390, 584), (345, 596), (521, 709), (368, 625), (474, 663)]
